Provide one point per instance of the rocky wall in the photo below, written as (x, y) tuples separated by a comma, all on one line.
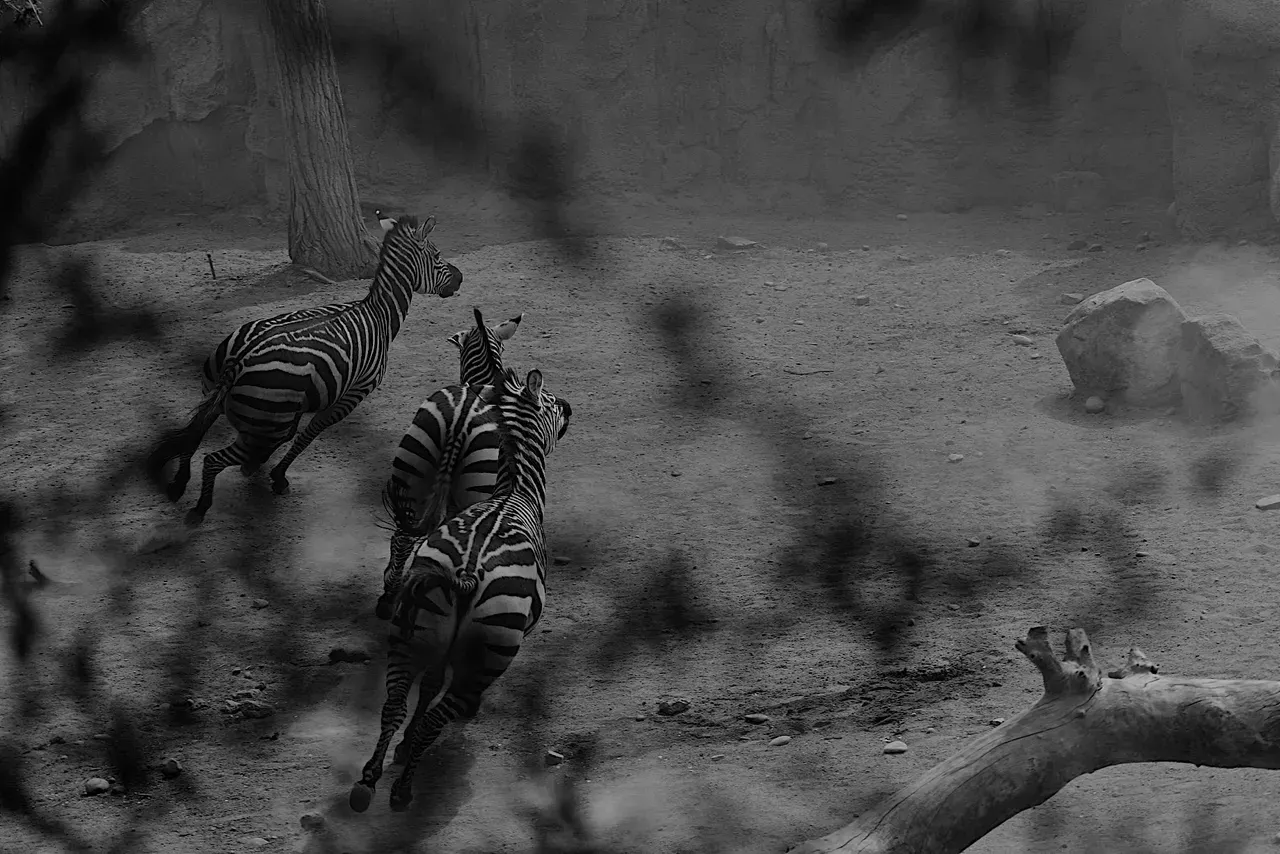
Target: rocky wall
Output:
[(660, 96)]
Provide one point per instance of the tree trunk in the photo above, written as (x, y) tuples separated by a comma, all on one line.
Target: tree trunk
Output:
[(325, 228), (1084, 722)]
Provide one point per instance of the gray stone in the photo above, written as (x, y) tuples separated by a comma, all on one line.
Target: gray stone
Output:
[(1071, 299), (673, 707), (1077, 244), (1123, 344), (894, 747), (1074, 192), (735, 243), (1271, 502), (96, 786), (1225, 372), (1094, 405)]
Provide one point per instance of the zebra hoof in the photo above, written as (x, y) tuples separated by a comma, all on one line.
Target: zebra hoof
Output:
[(174, 491), (280, 486), (401, 754), (194, 518), (400, 804), (360, 798), (384, 607)]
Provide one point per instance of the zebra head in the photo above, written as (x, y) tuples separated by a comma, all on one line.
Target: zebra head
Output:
[(406, 246), (480, 349), (549, 412)]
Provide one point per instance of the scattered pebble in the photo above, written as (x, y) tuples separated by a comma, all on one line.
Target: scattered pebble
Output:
[(1095, 247), (339, 655), (895, 747), (1142, 554), (668, 243), (930, 730), (1077, 244), (954, 458), (311, 821), (96, 786), (866, 248), (255, 842), (642, 717), (756, 718), (1003, 253), (995, 721), (807, 435), (780, 287), (862, 299), (1271, 502), (1141, 247), (259, 604), (1035, 355), (1171, 411), (170, 768), (1145, 237), (780, 740), (256, 709), (826, 481), (560, 561), (1021, 339), (822, 247), (716, 757), (902, 217), (676, 472), (1094, 405), (974, 542), (552, 758), (673, 707), (735, 243), (1071, 299)]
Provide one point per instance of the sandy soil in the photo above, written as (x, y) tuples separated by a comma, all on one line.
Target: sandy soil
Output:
[(710, 458)]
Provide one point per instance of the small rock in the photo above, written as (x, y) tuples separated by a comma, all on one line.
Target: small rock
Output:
[(96, 786), (1077, 244), (1142, 554), (1071, 299), (1094, 405), (256, 709), (995, 721), (930, 730), (1170, 412), (1145, 237), (1035, 356), (255, 842), (822, 247), (756, 718), (675, 473), (826, 481), (245, 694), (902, 217), (672, 243), (954, 458), (1003, 253), (1141, 247), (339, 655), (895, 747), (311, 821), (862, 299), (735, 243), (1271, 502), (259, 604), (807, 435), (866, 248), (560, 561), (1095, 247), (974, 542), (170, 768), (673, 707), (552, 758), (780, 740), (716, 757), (780, 288), (642, 717), (1021, 339)]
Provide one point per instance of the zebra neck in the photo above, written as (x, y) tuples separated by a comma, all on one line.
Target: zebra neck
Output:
[(521, 474), (388, 301)]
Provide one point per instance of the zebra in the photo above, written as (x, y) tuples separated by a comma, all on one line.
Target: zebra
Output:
[(267, 374), (448, 458), (474, 592)]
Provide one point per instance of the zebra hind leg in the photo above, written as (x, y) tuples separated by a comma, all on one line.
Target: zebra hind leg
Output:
[(214, 463), (178, 485), (453, 705), (399, 677), (401, 548), (321, 421), (427, 690)]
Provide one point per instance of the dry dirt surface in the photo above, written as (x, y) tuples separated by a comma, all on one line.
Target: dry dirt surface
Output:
[(712, 471)]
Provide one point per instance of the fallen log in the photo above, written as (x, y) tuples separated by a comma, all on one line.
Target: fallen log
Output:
[(1085, 721)]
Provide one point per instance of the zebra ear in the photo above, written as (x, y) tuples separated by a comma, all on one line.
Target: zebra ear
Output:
[(507, 328), (427, 227), (533, 386), (387, 223)]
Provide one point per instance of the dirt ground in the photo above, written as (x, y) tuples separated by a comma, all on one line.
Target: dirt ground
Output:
[(889, 389)]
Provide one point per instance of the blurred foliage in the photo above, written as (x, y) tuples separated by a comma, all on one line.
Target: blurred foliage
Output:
[(821, 567)]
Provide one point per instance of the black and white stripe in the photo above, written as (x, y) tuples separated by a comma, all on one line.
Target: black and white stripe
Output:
[(474, 592), (269, 373)]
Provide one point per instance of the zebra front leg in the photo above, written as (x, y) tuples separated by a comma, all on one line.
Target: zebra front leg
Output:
[(213, 465), (323, 420), (399, 677), (458, 702), (428, 688), (401, 549), (181, 476)]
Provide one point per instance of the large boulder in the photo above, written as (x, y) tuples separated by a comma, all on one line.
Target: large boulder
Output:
[(1225, 372), (1123, 344)]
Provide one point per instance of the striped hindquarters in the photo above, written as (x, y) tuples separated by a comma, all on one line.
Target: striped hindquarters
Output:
[(450, 450), (233, 348)]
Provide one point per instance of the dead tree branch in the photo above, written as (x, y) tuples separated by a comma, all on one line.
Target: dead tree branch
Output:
[(1085, 721)]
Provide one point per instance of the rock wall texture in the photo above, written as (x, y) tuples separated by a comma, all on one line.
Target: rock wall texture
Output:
[(663, 96)]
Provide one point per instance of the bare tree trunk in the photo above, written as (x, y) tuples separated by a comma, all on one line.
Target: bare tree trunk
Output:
[(1084, 721), (325, 229)]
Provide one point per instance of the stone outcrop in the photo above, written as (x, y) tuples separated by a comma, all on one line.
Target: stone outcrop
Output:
[(1225, 372), (1123, 344)]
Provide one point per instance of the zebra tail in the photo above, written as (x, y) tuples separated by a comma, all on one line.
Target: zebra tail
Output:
[(420, 583), (184, 441), (435, 504)]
